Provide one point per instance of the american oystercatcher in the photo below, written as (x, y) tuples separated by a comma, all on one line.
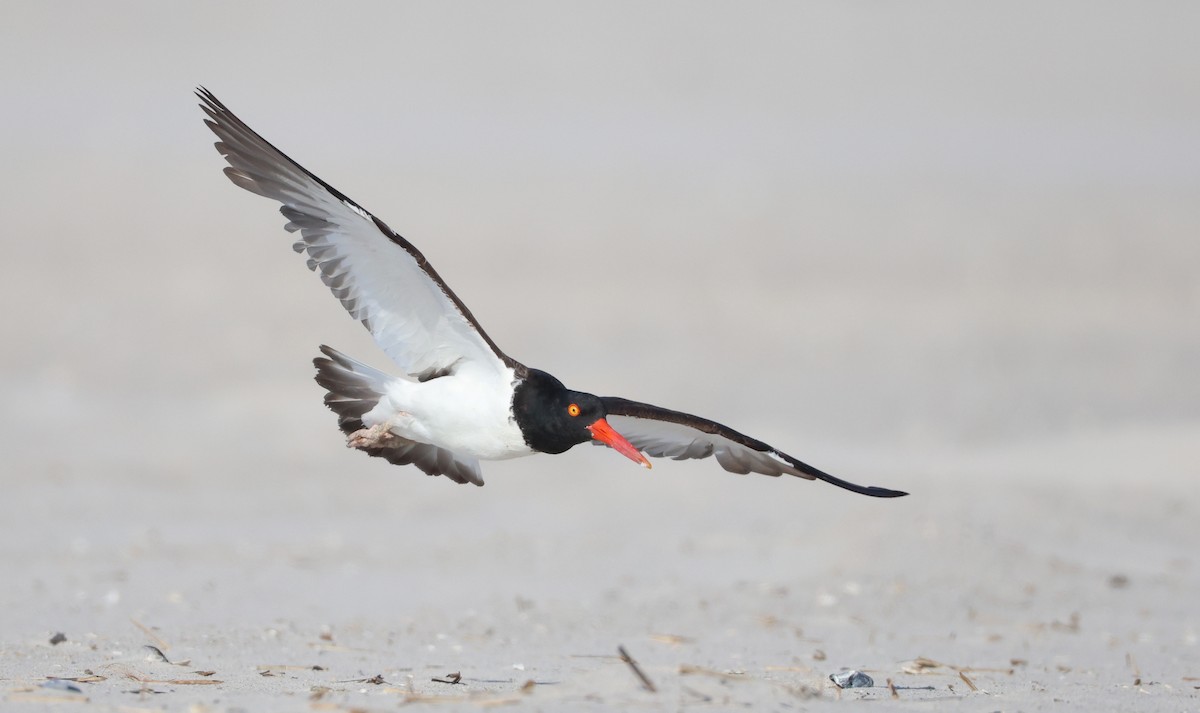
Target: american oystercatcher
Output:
[(458, 398)]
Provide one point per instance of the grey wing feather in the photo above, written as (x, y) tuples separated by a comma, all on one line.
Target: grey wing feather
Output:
[(379, 277), (663, 439), (430, 459), (662, 433)]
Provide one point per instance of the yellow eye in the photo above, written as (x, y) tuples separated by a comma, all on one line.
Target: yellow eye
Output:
[(573, 409)]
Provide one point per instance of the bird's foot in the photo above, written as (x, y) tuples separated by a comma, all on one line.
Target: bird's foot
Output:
[(377, 436)]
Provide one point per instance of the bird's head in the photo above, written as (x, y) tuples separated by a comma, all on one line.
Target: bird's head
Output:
[(553, 418)]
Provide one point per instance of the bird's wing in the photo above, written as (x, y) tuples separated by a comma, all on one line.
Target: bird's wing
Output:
[(433, 460), (662, 433), (380, 278)]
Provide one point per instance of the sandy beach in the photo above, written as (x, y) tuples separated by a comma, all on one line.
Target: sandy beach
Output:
[(942, 249)]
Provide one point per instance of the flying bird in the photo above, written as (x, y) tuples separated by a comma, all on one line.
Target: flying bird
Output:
[(458, 398)]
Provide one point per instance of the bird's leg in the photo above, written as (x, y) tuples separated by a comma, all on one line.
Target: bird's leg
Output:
[(377, 436)]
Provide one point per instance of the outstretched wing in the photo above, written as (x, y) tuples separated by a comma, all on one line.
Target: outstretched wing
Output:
[(380, 278), (662, 433)]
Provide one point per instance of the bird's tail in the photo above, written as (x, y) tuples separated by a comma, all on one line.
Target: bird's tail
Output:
[(353, 387)]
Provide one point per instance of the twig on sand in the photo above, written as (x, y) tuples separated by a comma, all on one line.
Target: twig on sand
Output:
[(637, 671), (969, 682), (451, 678), (134, 675), (88, 677), (892, 688), (158, 640), (1137, 672)]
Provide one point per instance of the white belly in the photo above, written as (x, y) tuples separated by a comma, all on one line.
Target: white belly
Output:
[(467, 412)]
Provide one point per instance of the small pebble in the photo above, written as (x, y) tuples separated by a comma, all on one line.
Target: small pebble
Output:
[(851, 679)]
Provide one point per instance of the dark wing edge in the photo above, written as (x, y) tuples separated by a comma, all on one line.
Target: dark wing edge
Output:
[(633, 409), (222, 119)]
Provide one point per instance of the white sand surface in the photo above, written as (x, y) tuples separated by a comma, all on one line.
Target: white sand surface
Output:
[(942, 248)]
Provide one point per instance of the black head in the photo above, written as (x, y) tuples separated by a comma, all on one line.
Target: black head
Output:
[(552, 418)]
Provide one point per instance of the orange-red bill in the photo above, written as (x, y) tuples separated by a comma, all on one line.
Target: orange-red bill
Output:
[(604, 433)]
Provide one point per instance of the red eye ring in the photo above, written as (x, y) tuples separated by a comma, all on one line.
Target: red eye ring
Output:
[(573, 409)]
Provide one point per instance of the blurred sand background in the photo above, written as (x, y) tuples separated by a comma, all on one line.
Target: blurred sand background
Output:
[(948, 248)]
